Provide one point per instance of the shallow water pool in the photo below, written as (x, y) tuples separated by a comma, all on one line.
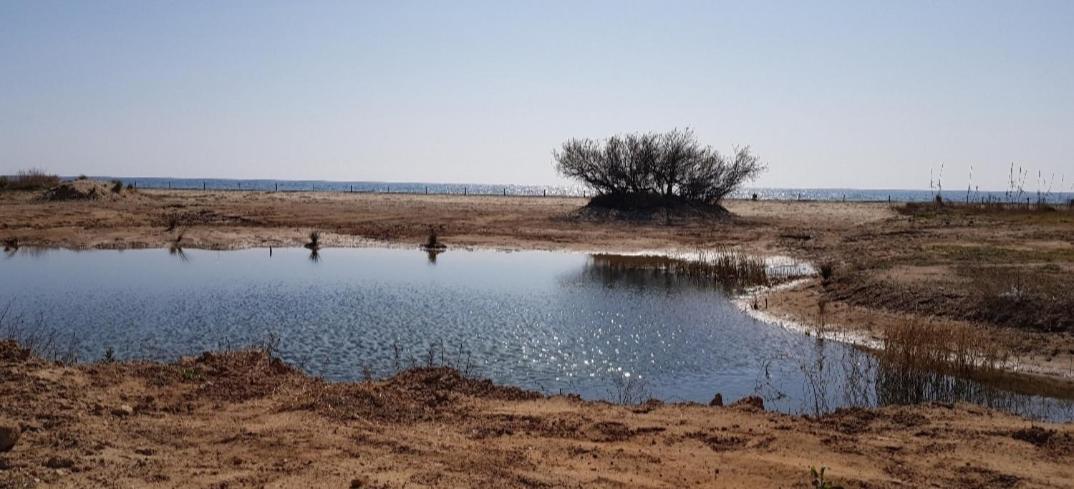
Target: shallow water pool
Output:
[(555, 322)]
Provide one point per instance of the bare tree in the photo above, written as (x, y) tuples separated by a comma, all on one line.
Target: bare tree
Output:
[(663, 167)]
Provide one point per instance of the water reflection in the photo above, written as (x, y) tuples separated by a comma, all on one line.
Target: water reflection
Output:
[(431, 254), (842, 377)]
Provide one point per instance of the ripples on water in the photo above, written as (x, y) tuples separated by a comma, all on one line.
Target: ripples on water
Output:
[(557, 322)]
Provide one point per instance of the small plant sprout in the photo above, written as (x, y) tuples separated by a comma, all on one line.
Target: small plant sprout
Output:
[(315, 241), (817, 480), (433, 241), (827, 269)]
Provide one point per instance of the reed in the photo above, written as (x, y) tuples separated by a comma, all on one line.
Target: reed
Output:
[(38, 339), (32, 179), (948, 348), (727, 268)]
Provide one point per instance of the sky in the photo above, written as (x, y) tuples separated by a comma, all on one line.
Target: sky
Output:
[(854, 94)]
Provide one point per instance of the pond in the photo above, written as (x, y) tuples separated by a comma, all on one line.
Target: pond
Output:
[(549, 321)]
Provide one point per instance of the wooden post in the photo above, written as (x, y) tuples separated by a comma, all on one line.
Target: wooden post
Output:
[(203, 185)]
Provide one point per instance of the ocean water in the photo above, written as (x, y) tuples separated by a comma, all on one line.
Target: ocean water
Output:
[(827, 194)]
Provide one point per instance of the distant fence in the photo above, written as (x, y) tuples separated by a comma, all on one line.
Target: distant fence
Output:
[(816, 195)]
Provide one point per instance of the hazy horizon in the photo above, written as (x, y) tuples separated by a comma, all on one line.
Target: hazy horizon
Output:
[(829, 94)]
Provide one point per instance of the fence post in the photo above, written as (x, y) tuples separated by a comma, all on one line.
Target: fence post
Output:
[(464, 190), (505, 192), (426, 190), (203, 185)]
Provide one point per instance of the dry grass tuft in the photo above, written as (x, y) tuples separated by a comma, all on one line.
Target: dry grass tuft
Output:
[(727, 268), (32, 179), (949, 348)]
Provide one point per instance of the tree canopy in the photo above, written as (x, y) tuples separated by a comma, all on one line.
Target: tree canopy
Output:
[(656, 167)]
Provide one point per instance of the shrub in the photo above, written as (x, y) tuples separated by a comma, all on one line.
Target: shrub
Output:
[(827, 269), (655, 168), (32, 179), (117, 186)]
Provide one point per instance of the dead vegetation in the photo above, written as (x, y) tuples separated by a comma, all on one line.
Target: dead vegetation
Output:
[(32, 179), (928, 347), (85, 189), (726, 268)]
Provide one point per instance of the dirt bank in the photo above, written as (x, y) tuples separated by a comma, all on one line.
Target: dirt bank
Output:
[(245, 420)]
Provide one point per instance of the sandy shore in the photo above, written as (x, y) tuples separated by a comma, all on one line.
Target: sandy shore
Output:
[(228, 220), (245, 420)]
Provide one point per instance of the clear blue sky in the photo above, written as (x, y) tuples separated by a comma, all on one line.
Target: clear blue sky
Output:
[(830, 94)]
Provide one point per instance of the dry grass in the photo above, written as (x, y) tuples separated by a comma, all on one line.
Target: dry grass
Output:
[(1021, 297), (932, 209), (32, 179), (926, 346), (726, 268)]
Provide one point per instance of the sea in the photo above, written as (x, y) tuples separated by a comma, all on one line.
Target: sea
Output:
[(762, 193)]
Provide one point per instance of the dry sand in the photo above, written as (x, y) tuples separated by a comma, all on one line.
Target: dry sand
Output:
[(243, 420)]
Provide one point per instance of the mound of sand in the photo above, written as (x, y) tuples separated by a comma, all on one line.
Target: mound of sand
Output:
[(85, 190), (596, 211)]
